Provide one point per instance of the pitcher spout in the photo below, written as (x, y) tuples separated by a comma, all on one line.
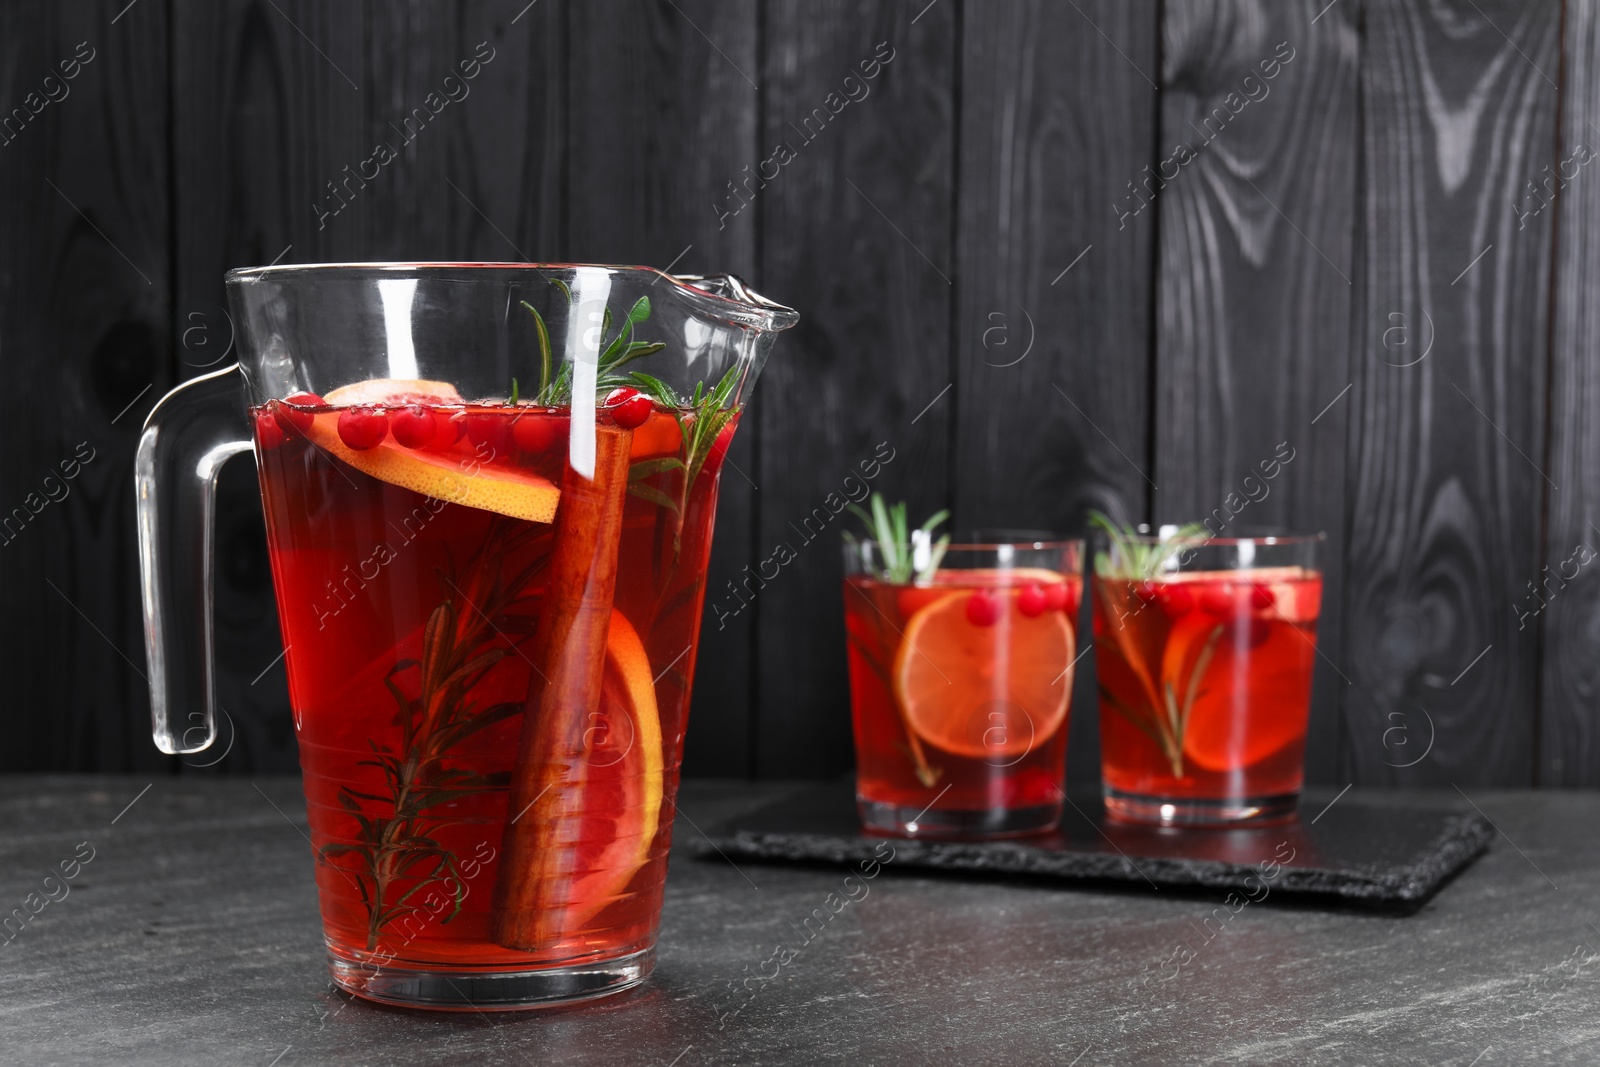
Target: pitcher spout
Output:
[(737, 303)]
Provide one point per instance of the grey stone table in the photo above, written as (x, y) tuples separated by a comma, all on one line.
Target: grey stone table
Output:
[(189, 935)]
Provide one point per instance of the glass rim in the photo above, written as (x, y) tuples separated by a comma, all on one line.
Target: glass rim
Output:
[(1256, 539), (987, 546), (772, 315)]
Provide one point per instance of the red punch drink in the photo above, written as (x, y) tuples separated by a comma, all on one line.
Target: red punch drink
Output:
[(960, 682), (489, 492), (415, 553), (1205, 689)]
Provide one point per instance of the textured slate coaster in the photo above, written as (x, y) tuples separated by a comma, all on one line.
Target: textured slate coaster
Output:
[(1372, 850)]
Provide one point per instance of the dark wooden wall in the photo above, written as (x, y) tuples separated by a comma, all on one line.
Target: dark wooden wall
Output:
[(1368, 257)]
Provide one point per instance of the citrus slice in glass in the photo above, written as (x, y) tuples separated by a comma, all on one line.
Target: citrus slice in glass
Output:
[(1241, 654), (393, 392), (620, 809), (457, 478), (989, 692), (659, 436)]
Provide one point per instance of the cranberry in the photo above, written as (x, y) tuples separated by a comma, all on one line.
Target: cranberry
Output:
[(448, 429), (1147, 592), (629, 407), (1033, 600), (1261, 598), (983, 608), (1055, 596), (292, 420), (269, 434), (414, 427), (1219, 600), (1176, 601), (488, 429), (538, 432), (362, 428)]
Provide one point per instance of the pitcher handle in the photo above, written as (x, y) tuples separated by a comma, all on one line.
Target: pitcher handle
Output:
[(190, 434)]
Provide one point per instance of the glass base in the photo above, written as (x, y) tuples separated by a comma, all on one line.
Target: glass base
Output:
[(489, 990), (901, 821), (1192, 811)]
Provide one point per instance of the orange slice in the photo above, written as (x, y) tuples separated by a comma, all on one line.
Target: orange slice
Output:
[(985, 692), (444, 476), (393, 392), (1252, 703), (1018, 576), (1252, 689), (659, 436), (622, 792)]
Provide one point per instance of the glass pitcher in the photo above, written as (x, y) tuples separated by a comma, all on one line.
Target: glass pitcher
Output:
[(489, 493)]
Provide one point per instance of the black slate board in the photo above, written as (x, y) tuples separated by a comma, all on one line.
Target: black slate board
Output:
[(1348, 848)]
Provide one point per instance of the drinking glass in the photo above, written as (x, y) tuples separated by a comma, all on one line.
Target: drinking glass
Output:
[(1205, 671), (489, 492), (960, 679)]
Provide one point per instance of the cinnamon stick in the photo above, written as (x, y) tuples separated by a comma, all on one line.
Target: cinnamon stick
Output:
[(569, 653)]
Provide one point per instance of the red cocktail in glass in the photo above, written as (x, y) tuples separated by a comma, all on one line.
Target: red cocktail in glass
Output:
[(960, 683), (1205, 682)]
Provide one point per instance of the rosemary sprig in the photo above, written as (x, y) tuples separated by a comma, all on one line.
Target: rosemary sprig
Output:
[(906, 555), (708, 411), (397, 838), (614, 354), (701, 416), (1165, 720), (1134, 556)]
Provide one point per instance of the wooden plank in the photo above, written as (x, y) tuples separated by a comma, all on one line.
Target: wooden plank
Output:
[(1256, 185), (856, 234), (1053, 322), (1565, 608), (1445, 451), (484, 178), (266, 100), (301, 92), (663, 117), (83, 331)]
